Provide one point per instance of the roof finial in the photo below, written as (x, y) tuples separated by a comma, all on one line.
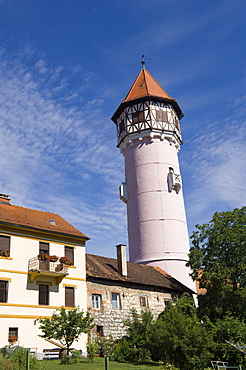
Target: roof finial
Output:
[(143, 62)]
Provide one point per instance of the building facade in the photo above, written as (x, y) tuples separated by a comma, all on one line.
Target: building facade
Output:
[(149, 137), (34, 281), (115, 286)]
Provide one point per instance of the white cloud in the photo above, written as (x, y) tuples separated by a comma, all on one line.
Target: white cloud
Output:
[(58, 157), (217, 165)]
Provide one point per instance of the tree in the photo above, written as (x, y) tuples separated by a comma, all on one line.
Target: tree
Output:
[(66, 325), (135, 346), (232, 330), (180, 338), (218, 261)]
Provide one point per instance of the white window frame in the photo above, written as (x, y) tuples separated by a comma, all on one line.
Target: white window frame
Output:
[(143, 301), (116, 301), (96, 301)]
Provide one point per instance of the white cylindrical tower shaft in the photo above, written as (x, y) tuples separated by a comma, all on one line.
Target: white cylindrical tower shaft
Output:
[(149, 137), (157, 228)]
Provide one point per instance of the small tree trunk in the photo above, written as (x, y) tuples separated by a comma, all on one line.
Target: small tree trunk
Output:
[(235, 285)]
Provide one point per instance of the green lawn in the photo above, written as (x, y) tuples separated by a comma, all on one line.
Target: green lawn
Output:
[(98, 364)]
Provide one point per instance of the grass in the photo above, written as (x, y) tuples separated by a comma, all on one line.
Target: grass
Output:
[(98, 364)]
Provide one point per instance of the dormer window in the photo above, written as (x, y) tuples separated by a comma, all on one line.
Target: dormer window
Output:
[(51, 222)]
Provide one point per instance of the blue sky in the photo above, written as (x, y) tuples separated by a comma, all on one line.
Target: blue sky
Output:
[(66, 65)]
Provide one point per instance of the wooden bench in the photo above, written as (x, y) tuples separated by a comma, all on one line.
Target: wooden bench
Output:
[(51, 353)]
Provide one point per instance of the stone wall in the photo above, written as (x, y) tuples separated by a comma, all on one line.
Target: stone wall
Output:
[(109, 320)]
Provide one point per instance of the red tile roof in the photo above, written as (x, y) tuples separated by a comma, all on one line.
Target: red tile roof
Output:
[(146, 85), (33, 219), (104, 269), (144, 88)]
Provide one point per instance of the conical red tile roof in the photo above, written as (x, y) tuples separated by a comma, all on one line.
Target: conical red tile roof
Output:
[(143, 88), (146, 85)]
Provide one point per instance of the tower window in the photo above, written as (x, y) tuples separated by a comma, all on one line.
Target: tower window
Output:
[(176, 122), (121, 126), (161, 116), (137, 117)]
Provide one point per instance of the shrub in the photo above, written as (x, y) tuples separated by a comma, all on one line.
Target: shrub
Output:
[(180, 338), (76, 356), (5, 363), (107, 347), (92, 349), (65, 360), (124, 351), (16, 359), (139, 331)]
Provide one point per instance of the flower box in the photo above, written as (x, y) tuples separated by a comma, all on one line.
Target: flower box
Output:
[(66, 261), (44, 257), (4, 253), (13, 339), (53, 258)]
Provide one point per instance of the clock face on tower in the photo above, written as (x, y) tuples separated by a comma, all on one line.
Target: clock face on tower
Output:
[(148, 116)]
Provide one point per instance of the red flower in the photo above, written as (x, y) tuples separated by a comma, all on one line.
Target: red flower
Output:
[(66, 261), (53, 258), (12, 339), (44, 257)]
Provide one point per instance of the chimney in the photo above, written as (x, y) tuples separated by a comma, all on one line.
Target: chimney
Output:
[(5, 199), (121, 259)]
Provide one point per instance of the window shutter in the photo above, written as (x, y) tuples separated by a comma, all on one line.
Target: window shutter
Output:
[(44, 294), (4, 243), (43, 248), (69, 253), (69, 297), (3, 291), (13, 332)]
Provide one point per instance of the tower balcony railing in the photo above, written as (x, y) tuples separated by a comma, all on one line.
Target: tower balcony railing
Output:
[(37, 267)]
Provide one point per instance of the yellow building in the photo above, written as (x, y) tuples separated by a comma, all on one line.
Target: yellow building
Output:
[(33, 282)]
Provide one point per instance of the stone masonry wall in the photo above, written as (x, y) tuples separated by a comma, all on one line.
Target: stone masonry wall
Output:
[(109, 320)]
